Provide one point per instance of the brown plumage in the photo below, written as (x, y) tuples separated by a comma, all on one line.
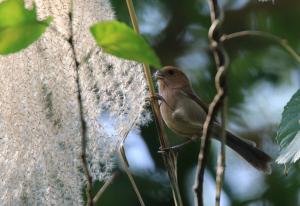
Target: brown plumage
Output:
[(184, 113)]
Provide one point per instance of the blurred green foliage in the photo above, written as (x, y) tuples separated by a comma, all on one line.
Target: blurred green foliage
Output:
[(19, 27), (120, 40), (177, 30)]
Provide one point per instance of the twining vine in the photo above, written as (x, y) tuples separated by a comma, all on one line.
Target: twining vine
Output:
[(219, 100)]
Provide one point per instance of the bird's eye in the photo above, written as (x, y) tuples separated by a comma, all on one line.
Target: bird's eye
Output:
[(171, 72)]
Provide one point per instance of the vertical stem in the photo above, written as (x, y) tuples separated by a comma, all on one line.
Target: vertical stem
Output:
[(168, 156), (221, 157)]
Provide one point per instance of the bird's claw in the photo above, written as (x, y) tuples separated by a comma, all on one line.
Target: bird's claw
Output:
[(163, 150), (174, 148), (155, 97)]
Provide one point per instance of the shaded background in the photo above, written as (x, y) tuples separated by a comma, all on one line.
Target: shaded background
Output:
[(262, 78)]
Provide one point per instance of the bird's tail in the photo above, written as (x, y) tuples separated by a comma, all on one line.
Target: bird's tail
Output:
[(249, 152)]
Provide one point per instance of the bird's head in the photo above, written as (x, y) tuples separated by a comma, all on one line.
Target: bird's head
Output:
[(171, 77)]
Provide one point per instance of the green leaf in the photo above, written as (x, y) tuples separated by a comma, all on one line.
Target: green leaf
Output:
[(118, 39), (288, 134), (18, 26)]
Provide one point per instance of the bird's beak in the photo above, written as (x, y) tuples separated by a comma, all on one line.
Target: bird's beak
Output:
[(159, 75)]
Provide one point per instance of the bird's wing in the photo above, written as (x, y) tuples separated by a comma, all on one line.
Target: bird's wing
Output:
[(184, 125), (181, 116), (189, 93), (188, 116)]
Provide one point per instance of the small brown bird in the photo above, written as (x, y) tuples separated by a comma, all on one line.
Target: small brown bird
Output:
[(184, 113)]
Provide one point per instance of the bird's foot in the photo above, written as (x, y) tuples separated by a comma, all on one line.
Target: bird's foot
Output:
[(175, 147), (156, 97)]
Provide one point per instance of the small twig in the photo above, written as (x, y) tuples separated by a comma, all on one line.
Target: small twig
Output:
[(282, 42), (83, 129), (128, 173), (220, 82), (104, 187), (169, 157), (125, 164)]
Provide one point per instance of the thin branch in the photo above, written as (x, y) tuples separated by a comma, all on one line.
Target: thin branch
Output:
[(83, 129), (169, 157), (130, 177), (282, 42), (125, 164), (104, 187), (220, 83)]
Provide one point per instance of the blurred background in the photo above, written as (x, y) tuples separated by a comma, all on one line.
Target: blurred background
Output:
[(262, 78)]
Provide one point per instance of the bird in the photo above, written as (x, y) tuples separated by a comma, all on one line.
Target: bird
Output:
[(185, 113)]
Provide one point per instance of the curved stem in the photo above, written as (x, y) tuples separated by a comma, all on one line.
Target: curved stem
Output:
[(278, 40)]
